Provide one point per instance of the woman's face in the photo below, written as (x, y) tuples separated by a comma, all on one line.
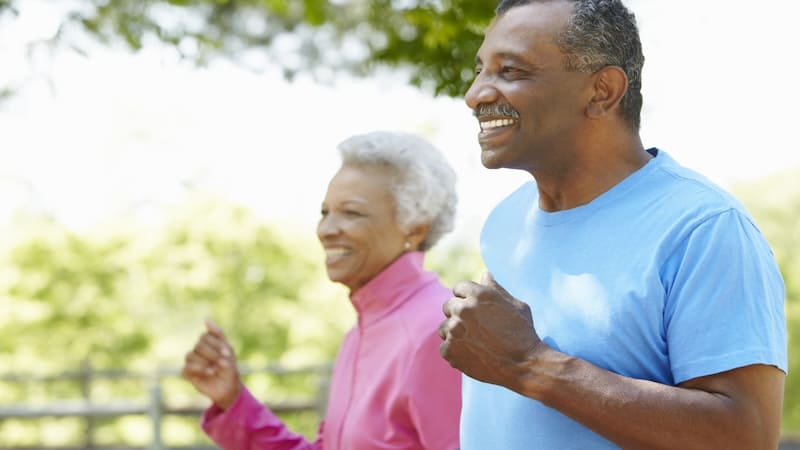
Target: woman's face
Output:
[(358, 227)]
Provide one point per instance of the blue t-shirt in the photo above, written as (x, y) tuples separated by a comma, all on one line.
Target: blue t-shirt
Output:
[(664, 277)]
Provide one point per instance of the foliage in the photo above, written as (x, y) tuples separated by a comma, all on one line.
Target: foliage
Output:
[(435, 40), (151, 288), (137, 297), (5, 5), (456, 262), (60, 288)]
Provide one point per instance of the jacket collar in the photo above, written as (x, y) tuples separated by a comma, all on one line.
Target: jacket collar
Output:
[(390, 288)]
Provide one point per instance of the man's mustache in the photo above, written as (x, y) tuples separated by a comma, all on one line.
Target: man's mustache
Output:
[(494, 110)]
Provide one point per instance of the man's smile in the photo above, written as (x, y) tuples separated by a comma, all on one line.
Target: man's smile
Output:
[(494, 124)]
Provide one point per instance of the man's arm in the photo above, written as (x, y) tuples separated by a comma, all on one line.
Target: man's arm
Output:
[(489, 335), (737, 409)]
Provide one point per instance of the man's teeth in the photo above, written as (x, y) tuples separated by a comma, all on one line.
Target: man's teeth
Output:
[(497, 123)]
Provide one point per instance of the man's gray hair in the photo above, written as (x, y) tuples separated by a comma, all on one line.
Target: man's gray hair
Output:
[(423, 183), (601, 33)]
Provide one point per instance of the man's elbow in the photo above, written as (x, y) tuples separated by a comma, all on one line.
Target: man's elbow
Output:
[(757, 430)]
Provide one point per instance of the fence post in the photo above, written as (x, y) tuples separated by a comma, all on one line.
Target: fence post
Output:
[(155, 412), (85, 379), (321, 396)]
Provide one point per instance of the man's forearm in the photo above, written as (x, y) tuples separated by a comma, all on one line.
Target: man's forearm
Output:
[(648, 415)]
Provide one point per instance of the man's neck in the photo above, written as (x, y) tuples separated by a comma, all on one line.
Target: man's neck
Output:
[(591, 171)]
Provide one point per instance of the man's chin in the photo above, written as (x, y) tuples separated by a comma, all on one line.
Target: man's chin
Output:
[(491, 159)]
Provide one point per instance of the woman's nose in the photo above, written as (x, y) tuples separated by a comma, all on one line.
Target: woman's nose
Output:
[(327, 226)]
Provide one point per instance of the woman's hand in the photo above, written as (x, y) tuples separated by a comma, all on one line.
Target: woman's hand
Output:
[(211, 367)]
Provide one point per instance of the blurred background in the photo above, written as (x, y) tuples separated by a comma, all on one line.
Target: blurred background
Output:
[(163, 161)]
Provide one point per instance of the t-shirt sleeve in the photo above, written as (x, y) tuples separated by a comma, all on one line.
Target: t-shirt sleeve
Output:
[(725, 300), (434, 390), (248, 424)]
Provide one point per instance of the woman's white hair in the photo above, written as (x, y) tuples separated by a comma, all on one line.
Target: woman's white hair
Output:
[(424, 184)]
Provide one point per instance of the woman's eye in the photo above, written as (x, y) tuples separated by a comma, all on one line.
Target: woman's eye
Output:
[(352, 212)]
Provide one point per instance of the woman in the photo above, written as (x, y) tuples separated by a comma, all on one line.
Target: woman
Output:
[(391, 200)]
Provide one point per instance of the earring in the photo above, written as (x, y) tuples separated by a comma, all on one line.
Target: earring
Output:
[(407, 245)]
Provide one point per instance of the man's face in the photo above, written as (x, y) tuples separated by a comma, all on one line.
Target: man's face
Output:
[(529, 108)]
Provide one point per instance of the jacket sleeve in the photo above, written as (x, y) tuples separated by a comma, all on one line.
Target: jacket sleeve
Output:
[(434, 397), (249, 425)]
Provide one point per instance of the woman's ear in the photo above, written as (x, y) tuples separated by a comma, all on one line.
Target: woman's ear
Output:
[(610, 85), (417, 234)]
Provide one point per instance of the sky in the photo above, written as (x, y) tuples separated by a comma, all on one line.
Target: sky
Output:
[(88, 138)]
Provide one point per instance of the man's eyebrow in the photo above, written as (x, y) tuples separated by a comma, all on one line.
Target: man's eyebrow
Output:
[(513, 58)]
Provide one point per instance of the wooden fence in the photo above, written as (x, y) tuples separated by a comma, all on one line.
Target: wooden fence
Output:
[(151, 404), (154, 406)]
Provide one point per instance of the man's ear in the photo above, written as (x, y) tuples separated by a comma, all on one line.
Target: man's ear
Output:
[(610, 85), (417, 234)]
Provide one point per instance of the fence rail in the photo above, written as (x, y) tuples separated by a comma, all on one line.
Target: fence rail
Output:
[(153, 405)]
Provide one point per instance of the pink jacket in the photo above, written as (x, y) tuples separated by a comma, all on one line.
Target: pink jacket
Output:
[(389, 388)]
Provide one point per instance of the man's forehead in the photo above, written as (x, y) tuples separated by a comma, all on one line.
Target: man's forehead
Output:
[(526, 29)]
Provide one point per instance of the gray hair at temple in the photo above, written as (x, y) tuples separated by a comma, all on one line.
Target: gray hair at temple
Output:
[(601, 33), (424, 184)]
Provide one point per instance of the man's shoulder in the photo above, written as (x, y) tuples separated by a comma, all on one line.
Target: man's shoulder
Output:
[(673, 185)]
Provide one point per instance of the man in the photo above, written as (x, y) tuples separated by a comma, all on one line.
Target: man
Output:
[(629, 302)]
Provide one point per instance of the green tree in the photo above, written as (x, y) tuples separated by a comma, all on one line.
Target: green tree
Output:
[(456, 262), (62, 294), (434, 40), (136, 297), (129, 297)]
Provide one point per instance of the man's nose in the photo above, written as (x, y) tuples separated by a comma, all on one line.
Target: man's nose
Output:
[(480, 92)]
